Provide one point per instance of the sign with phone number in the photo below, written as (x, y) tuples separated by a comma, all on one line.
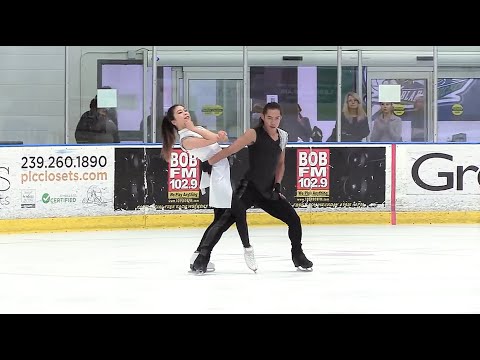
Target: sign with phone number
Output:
[(57, 181)]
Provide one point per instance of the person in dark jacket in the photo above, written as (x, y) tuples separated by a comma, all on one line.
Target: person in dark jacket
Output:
[(354, 121), (96, 126), (295, 124)]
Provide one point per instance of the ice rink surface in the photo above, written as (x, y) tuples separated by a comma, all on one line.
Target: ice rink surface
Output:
[(357, 269)]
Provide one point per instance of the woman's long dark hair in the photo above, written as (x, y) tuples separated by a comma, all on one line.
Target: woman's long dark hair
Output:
[(169, 132)]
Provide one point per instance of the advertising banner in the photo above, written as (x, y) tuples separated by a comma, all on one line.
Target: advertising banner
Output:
[(318, 176), (143, 178), (183, 178), (335, 177), (56, 181), (438, 176), (313, 175)]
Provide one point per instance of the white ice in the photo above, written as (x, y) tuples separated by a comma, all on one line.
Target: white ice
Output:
[(357, 269)]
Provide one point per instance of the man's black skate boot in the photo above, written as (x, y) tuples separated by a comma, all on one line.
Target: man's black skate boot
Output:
[(300, 261), (201, 262), (210, 266)]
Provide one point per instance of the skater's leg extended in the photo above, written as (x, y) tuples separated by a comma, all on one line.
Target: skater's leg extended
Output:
[(282, 210)]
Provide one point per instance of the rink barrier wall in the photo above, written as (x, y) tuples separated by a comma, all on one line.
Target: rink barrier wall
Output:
[(62, 188), (126, 222)]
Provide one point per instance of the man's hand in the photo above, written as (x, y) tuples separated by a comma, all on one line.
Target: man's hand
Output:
[(277, 192), (206, 167)]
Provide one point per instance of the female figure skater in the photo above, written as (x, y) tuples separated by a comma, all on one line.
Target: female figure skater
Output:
[(203, 144)]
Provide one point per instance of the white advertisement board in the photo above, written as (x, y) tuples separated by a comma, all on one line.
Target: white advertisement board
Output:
[(59, 181), (438, 177), (68, 181)]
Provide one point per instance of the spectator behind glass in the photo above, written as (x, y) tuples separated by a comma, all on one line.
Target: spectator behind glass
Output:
[(297, 126), (256, 113), (418, 119), (387, 127), (96, 126), (354, 121)]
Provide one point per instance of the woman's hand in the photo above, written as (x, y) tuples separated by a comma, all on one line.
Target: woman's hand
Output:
[(222, 136), (189, 124)]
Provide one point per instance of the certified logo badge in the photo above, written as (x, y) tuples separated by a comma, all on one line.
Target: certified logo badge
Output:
[(46, 198)]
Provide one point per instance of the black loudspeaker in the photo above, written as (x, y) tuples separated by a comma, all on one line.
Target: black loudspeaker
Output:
[(156, 174), (129, 178), (358, 175)]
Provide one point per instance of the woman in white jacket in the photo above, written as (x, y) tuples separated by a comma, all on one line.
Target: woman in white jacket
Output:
[(203, 144), (387, 127)]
